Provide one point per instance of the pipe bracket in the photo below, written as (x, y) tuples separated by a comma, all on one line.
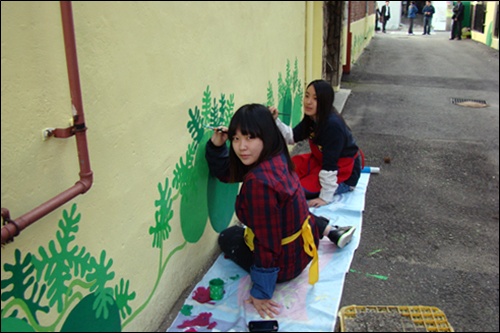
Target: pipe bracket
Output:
[(8, 220)]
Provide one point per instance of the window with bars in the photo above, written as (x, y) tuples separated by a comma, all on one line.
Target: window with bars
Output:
[(479, 16)]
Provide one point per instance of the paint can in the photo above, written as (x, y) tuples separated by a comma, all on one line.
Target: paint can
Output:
[(368, 169), (216, 287)]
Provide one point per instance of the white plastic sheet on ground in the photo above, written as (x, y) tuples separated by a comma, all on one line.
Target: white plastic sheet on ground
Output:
[(305, 307)]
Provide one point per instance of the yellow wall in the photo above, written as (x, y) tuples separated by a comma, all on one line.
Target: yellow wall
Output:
[(488, 37), (362, 33), (143, 66), (314, 40)]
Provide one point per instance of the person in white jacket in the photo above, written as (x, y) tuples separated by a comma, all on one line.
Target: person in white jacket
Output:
[(334, 164)]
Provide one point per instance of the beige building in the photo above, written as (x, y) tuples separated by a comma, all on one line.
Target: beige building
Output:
[(109, 210), (485, 22)]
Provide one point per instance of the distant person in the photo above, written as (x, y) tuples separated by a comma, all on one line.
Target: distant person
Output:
[(458, 16), (412, 14), (377, 16), (428, 12), (385, 15)]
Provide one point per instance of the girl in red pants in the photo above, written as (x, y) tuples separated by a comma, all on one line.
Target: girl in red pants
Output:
[(334, 164)]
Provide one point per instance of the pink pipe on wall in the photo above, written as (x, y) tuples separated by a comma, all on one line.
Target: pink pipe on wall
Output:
[(12, 228)]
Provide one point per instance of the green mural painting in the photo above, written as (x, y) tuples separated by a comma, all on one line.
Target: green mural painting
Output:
[(62, 274), (357, 45), (290, 94), (56, 279), (76, 288), (489, 35), (202, 195)]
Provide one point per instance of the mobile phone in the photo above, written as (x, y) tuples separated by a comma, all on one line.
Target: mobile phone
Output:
[(263, 326)]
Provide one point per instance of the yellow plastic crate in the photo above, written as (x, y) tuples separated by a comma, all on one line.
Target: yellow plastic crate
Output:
[(424, 318)]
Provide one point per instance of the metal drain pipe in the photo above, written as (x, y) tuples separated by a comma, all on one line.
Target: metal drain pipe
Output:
[(12, 228)]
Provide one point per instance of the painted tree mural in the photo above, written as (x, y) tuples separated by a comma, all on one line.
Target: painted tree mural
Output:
[(290, 94), (81, 289)]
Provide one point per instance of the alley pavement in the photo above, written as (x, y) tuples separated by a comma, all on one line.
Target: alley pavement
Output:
[(430, 233), (430, 225)]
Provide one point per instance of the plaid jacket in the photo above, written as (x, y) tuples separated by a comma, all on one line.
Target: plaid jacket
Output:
[(272, 203)]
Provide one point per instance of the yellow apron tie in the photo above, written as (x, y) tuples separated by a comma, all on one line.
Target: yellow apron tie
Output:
[(309, 246)]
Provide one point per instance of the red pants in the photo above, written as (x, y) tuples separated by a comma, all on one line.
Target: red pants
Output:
[(308, 167)]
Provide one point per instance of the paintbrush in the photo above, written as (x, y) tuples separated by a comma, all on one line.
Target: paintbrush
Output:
[(215, 128), (280, 113)]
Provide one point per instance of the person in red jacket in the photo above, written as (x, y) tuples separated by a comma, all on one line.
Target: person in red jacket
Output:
[(279, 235)]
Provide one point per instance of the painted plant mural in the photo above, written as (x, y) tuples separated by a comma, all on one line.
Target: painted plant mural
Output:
[(66, 284)]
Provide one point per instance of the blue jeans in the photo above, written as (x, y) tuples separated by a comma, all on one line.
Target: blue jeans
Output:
[(410, 29), (343, 188), (427, 25)]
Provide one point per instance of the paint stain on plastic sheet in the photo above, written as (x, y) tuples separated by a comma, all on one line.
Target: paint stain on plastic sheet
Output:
[(186, 310), (234, 278), (202, 320), (202, 295)]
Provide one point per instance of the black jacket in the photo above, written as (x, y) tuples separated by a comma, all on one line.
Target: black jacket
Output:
[(458, 11), (386, 14)]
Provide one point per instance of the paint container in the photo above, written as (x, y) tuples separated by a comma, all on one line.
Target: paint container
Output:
[(368, 169), (216, 289)]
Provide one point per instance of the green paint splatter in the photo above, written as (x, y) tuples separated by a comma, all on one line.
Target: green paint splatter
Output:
[(373, 252), (187, 310), (236, 277), (380, 277)]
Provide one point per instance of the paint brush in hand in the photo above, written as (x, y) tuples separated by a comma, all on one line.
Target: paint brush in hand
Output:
[(215, 128)]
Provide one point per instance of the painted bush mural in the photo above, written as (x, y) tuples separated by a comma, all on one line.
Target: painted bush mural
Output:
[(82, 289), (290, 94)]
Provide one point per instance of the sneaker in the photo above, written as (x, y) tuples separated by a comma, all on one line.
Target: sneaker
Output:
[(341, 236)]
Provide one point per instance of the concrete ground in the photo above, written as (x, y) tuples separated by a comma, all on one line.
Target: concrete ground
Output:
[(431, 221), (431, 218)]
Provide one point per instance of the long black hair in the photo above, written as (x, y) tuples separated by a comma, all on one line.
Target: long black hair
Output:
[(325, 96), (256, 120)]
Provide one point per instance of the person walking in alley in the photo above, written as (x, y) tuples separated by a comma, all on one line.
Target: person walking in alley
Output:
[(458, 16), (428, 12), (412, 14), (377, 16), (385, 15)]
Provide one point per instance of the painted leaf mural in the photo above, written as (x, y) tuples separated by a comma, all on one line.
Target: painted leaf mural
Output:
[(290, 95), (194, 209), (220, 197), (70, 286), (58, 278), (83, 317), (204, 197), (16, 325)]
